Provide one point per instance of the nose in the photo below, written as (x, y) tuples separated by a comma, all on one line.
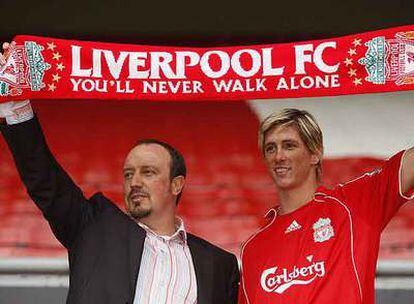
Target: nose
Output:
[(280, 155), (136, 181)]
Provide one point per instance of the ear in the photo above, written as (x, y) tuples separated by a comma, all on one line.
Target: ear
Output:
[(177, 184), (316, 158)]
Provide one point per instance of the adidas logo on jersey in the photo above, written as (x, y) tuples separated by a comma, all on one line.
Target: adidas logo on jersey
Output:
[(292, 227)]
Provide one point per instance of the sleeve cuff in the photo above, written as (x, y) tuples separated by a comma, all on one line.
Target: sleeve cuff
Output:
[(22, 113)]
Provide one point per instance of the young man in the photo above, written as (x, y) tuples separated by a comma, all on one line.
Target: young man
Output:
[(145, 256), (320, 246)]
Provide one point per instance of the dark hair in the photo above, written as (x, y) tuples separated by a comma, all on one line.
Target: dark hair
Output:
[(177, 160)]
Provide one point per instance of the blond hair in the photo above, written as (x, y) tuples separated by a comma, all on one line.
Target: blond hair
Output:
[(306, 125)]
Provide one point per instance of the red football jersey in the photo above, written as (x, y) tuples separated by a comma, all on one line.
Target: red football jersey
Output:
[(326, 251)]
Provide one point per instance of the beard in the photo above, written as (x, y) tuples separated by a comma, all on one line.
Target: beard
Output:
[(138, 210), (138, 213)]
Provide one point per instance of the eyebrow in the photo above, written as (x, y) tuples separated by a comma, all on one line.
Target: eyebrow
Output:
[(148, 167), (283, 141), (140, 168), (290, 141)]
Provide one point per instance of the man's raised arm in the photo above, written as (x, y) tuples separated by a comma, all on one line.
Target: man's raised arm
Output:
[(60, 200)]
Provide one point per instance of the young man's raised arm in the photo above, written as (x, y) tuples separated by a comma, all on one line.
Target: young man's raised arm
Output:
[(407, 172)]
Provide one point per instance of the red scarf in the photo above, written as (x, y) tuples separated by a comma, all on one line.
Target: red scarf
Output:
[(48, 68)]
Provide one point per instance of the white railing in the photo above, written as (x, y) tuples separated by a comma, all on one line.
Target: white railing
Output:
[(34, 265), (395, 268)]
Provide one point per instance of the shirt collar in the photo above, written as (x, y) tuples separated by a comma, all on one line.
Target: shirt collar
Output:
[(180, 233), (275, 211)]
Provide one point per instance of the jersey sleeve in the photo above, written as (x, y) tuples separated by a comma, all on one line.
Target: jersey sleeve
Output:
[(376, 196)]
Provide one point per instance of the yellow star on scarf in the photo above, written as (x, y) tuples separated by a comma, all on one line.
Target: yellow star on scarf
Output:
[(348, 61), (56, 77), (351, 52), (352, 72), (51, 46), (52, 87), (357, 81), (60, 66), (56, 56), (356, 42)]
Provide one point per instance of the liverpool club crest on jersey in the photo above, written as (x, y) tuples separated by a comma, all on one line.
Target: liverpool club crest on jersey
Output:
[(322, 230)]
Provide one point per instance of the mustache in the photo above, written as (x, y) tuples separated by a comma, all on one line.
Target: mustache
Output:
[(137, 192)]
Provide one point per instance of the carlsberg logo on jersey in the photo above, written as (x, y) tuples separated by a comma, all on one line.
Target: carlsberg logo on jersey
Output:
[(279, 280)]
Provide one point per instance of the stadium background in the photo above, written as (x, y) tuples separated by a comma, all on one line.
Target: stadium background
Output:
[(228, 188)]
